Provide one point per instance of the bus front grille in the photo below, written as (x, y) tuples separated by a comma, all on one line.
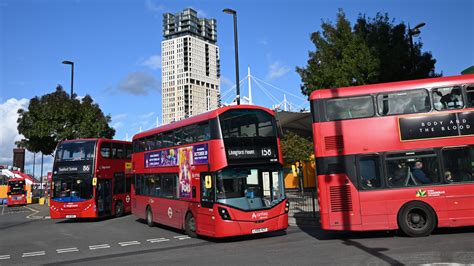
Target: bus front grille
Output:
[(341, 200)]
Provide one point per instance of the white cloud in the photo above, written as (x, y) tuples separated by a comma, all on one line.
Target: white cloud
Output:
[(117, 125), (146, 116), (153, 62), (119, 116), (263, 41), (225, 81), (8, 130), (154, 7), (139, 83), (277, 70)]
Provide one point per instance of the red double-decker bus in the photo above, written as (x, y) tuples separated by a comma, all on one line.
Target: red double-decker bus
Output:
[(16, 191), (90, 179), (217, 174), (396, 155)]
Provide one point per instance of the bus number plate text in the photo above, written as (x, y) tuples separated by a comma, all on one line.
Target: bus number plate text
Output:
[(259, 230)]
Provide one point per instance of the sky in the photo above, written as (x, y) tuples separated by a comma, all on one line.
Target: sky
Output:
[(116, 48)]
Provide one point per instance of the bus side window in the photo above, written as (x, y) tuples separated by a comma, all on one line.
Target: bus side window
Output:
[(447, 98), (457, 165), (470, 95), (105, 150), (369, 172), (128, 185)]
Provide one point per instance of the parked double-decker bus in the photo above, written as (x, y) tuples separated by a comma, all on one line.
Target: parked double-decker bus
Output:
[(396, 155), (216, 174), (16, 191), (91, 178)]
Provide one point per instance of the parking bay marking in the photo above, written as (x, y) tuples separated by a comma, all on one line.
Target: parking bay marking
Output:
[(33, 254), (183, 237), (129, 243), (99, 246), (66, 250), (157, 240)]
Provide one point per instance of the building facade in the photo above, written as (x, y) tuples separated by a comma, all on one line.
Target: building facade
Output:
[(190, 66)]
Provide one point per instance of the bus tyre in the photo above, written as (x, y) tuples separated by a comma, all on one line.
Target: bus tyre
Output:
[(417, 219), (119, 209), (149, 217), (190, 225)]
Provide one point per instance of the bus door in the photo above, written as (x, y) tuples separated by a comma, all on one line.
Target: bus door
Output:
[(104, 196), (205, 212)]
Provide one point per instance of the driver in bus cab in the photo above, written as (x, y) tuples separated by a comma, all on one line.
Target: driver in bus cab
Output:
[(419, 174)]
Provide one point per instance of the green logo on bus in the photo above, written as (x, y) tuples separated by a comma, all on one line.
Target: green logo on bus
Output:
[(421, 193)]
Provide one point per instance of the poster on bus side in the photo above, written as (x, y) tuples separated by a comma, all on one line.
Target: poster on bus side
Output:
[(185, 160)]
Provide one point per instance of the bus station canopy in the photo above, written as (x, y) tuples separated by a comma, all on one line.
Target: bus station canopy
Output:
[(299, 123)]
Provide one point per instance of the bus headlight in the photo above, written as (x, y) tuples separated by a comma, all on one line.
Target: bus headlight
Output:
[(224, 213), (287, 206)]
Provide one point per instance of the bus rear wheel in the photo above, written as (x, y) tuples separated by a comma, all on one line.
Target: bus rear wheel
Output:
[(417, 219), (119, 209), (190, 225), (149, 217)]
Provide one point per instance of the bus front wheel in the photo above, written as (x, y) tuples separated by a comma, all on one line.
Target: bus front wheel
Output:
[(417, 219), (190, 225), (149, 217)]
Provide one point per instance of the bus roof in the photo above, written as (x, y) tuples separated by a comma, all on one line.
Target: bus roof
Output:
[(198, 118), (94, 139), (391, 86)]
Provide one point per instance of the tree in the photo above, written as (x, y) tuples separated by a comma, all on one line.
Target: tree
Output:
[(296, 148), (373, 51), (54, 117)]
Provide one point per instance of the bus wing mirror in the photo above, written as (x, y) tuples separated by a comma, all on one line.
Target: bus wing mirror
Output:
[(208, 180)]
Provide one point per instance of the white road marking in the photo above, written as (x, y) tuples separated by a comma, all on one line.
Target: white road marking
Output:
[(4, 257), (156, 240), (3, 209), (129, 243), (33, 254), (31, 216), (99, 246), (65, 250), (182, 237)]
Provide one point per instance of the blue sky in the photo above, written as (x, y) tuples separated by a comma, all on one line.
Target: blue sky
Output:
[(116, 48)]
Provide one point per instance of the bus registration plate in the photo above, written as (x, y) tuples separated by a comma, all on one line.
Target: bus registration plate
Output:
[(259, 230), (70, 216)]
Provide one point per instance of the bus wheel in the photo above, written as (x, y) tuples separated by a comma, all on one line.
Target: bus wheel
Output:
[(149, 217), (119, 209), (190, 225), (417, 219)]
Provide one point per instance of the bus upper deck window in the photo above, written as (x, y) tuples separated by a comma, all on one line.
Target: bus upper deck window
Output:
[(447, 98)]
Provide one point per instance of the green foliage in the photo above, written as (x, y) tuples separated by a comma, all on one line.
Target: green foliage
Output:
[(54, 117), (296, 148), (374, 51)]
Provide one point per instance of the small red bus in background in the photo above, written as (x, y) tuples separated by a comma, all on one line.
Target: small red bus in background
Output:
[(16, 191), (90, 179), (396, 155), (217, 174)]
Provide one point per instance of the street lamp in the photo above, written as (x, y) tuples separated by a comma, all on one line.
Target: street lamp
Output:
[(72, 75), (414, 32), (236, 47)]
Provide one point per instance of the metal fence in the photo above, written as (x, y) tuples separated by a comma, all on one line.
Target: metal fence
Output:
[(303, 204)]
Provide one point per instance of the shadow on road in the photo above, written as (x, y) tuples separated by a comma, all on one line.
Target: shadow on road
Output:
[(88, 220)]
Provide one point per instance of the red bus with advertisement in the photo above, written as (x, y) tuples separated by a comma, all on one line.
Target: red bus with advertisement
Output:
[(16, 191), (91, 178), (217, 174), (396, 155)]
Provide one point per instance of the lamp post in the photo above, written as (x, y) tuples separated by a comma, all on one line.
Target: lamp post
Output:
[(236, 47), (72, 76), (414, 32)]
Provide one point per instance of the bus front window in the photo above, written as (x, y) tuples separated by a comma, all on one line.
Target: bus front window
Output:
[(72, 189), (250, 189), (17, 187), (75, 151)]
